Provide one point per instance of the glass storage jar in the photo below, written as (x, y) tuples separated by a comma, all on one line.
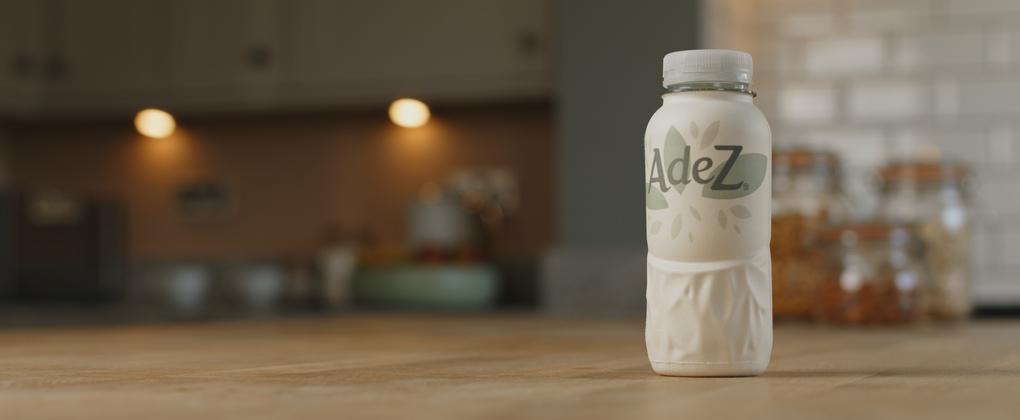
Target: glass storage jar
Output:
[(934, 197), (806, 198), (873, 275)]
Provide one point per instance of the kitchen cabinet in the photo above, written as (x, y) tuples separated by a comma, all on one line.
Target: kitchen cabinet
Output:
[(21, 55), (105, 54), (111, 57), (441, 48), (224, 53)]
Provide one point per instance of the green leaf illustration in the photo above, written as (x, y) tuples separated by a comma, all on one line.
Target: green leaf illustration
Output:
[(695, 213), (740, 211), (654, 200), (677, 225), (736, 227), (673, 149), (710, 133), (749, 170), (656, 225), (722, 219), (694, 130)]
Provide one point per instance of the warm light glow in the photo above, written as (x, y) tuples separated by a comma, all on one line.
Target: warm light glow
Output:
[(409, 113), (155, 123)]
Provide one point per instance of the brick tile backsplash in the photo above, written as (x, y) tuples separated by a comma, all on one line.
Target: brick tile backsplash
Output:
[(874, 15), (981, 6), (876, 80), (857, 147), (1000, 49), (807, 103), (989, 97), (886, 101), (886, 7), (843, 56), (1000, 146), (938, 52)]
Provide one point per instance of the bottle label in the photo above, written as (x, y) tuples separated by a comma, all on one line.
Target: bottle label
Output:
[(737, 175), (699, 185)]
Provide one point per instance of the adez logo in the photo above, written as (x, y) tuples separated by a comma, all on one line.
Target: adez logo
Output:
[(687, 172), (727, 173)]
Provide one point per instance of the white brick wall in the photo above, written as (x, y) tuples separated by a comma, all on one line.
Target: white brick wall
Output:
[(837, 56), (806, 103), (886, 101), (883, 79)]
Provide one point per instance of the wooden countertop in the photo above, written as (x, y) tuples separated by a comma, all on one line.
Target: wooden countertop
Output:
[(493, 367)]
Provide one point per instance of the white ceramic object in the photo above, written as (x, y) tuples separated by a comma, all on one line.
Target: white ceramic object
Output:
[(259, 287), (186, 288)]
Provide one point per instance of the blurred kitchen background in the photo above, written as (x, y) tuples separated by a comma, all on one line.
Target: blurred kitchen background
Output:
[(210, 159)]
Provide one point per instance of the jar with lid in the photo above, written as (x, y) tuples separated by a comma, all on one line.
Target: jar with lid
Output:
[(933, 197), (873, 275), (806, 198)]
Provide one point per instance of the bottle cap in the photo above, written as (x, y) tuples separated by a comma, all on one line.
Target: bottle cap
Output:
[(706, 66)]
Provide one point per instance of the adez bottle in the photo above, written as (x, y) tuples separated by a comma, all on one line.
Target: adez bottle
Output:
[(707, 197)]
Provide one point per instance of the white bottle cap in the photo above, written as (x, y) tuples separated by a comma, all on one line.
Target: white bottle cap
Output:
[(706, 66)]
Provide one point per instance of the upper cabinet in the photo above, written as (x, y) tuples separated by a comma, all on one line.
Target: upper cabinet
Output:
[(22, 55), (105, 54), (113, 56), (225, 53), (440, 48)]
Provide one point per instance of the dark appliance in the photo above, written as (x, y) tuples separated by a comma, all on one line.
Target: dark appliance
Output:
[(57, 247)]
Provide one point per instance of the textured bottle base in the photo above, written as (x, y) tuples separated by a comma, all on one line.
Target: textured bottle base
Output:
[(709, 319), (710, 370)]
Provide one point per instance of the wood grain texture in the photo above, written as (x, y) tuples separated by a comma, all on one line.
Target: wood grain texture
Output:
[(497, 367)]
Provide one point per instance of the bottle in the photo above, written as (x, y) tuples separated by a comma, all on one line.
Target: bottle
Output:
[(707, 198)]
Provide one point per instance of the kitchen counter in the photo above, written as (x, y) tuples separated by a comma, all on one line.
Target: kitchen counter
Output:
[(503, 366)]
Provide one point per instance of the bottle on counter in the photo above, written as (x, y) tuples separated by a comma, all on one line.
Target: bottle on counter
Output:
[(806, 198), (933, 197), (707, 197)]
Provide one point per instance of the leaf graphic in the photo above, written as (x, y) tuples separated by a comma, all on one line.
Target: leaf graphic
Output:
[(740, 211), (722, 219), (695, 213), (654, 200), (736, 228), (694, 129), (710, 133), (748, 170), (677, 225), (690, 237), (673, 149), (656, 225)]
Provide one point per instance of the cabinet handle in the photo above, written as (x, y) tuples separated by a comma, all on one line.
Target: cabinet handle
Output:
[(23, 67), (528, 43), (259, 57), (55, 68)]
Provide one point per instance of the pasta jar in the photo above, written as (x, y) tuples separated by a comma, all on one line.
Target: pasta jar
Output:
[(806, 199), (873, 274), (933, 197)]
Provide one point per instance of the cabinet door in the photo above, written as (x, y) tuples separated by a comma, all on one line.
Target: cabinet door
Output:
[(224, 52), (106, 53), (21, 55), (442, 48)]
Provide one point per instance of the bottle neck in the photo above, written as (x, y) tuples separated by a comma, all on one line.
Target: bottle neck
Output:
[(733, 87)]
